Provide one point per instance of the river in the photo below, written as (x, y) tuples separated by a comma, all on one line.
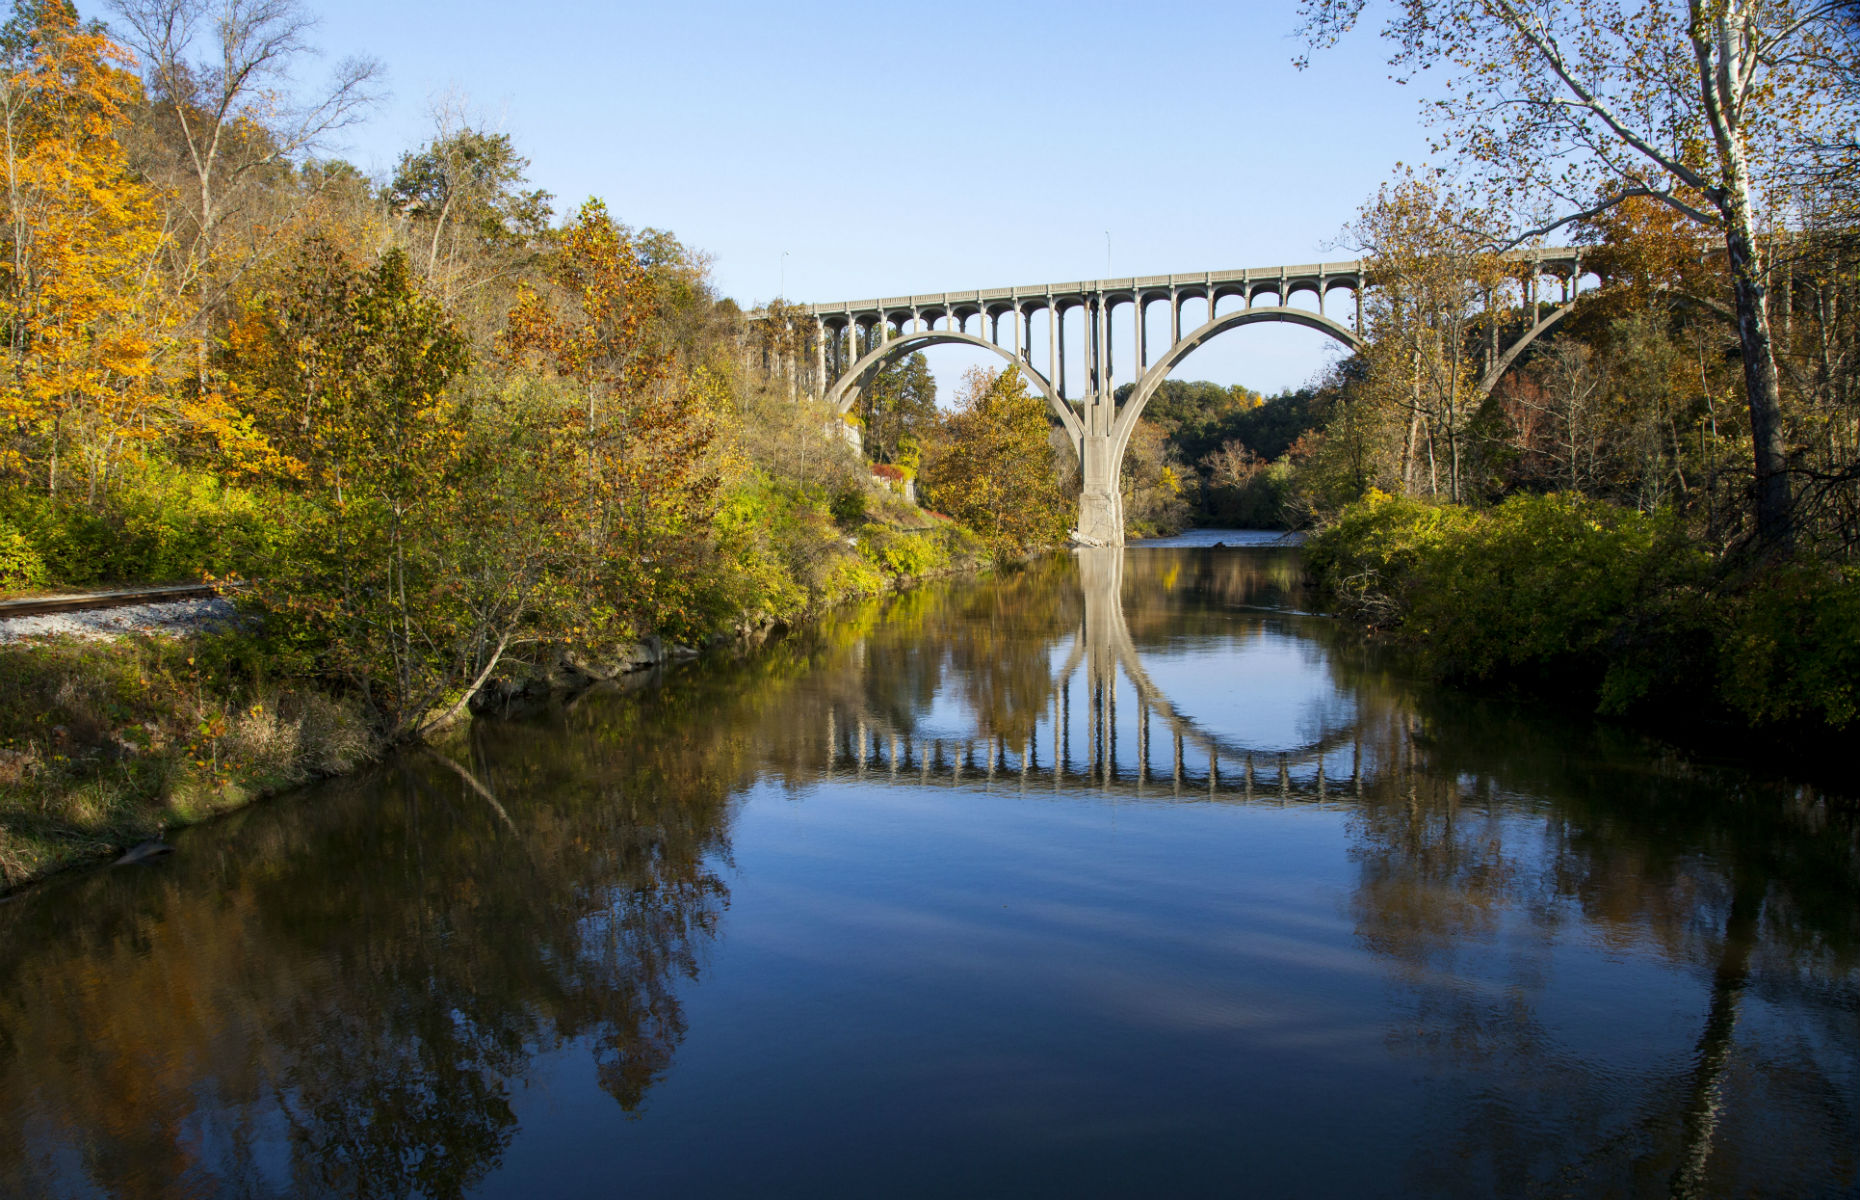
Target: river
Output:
[(1117, 875)]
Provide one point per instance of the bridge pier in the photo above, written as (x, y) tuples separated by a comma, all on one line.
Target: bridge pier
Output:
[(1101, 501)]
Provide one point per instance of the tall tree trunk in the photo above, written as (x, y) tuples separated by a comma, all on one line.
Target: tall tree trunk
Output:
[(1774, 511), (1721, 40), (1407, 452), (203, 266), (1433, 463), (1414, 423)]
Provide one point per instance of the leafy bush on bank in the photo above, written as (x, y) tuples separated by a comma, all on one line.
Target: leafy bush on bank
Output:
[(159, 524), (1792, 653), (22, 568), (1584, 597), (104, 744), (785, 550)]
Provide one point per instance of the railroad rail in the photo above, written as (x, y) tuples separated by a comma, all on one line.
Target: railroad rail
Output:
[(32, 606)]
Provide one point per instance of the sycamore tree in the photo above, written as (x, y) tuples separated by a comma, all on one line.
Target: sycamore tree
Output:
[(80, 298), (990, 466), (1563, 109), (1430, 271)]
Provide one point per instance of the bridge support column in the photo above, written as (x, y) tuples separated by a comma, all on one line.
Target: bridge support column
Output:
[(1101, 503), (818, 389)]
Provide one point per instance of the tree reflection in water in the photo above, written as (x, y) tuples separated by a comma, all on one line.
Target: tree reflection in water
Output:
[(340, 998), (343, 992), (1493, 839)]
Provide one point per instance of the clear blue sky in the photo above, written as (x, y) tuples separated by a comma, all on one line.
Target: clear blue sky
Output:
[(903, 148)]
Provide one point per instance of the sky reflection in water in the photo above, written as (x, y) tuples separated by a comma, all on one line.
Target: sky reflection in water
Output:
[(932, 900)]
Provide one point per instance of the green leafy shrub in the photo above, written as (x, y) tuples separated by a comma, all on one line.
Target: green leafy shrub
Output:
[(849, 505), (158, 524), (1792, 655), (906, 555), (782, 550), (851, 576), (754, 574), (20, 565), (1544, 589), (1366, 560)]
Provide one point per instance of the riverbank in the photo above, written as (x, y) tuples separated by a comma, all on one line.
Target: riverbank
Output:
[(105, 744), (1620, 612), (108, 743)]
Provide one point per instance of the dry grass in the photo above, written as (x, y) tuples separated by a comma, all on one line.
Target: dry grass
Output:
[(106, 744)]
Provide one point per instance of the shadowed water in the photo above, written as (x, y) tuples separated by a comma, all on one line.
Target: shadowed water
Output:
[(1113, 876)]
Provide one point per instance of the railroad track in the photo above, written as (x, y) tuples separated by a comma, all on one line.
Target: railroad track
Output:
[(32, 606)]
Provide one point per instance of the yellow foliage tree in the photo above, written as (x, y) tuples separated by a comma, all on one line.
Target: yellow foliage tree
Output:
[(81, 295), (649, 481), (991, 467), (1429, 262)]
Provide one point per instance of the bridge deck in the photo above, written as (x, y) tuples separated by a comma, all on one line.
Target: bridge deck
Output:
[(1334, 274)]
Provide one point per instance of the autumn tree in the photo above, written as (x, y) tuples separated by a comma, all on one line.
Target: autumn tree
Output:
[(1239, 488), (350, 372), (1826, 161), (1430, 274), (465, 193), (1570, 383), (1563, 110), (783, 335), (648, 484), (1157, 485), (219, 75), (689, 319), (991, 466), (83, 312), (1196, 416), (1348, 452)]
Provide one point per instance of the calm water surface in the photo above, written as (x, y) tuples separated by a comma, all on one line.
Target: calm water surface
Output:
[(1113, 877)]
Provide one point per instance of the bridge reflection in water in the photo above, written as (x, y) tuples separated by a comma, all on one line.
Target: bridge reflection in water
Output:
[(1077, 745)]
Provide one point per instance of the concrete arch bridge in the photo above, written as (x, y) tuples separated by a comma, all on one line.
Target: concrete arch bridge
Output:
[(853, 340)]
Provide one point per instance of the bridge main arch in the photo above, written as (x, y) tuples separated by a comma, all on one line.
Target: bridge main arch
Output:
[(1101, 458), (845, 393), (1152, 379)]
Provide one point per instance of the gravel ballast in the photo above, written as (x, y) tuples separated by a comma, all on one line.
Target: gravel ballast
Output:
[(171, 618)]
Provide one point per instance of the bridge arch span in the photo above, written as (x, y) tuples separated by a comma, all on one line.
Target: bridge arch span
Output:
[(1079, 328), (844, 394), (1152, 379)]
